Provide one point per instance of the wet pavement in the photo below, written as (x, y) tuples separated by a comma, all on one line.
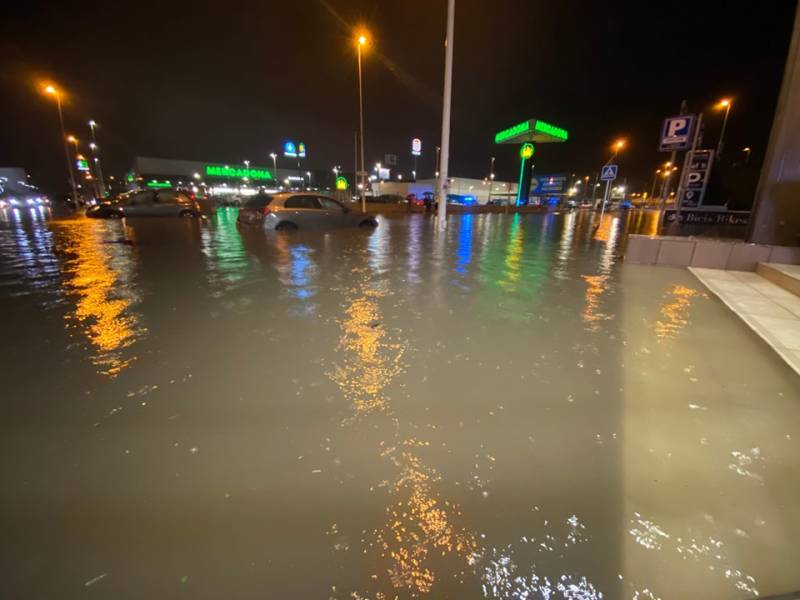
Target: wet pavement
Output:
[(502, 410)]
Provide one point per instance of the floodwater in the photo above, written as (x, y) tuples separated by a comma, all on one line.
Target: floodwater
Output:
[(502, 410)]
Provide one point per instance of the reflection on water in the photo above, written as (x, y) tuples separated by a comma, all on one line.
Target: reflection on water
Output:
[(228, 263), (481, 413), (370, 359), (297, 271), (420, 525), (675, 311), (464, 250), (514, 250), (98, 272), (595, 286)]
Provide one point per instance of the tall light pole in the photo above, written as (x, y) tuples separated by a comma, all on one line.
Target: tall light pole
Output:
[(726, 104), (95, 155), (360, 42), (448, 93), (274, 158), (436, 164), (53, 91), (746, 151), (491, 179), (655, 180)]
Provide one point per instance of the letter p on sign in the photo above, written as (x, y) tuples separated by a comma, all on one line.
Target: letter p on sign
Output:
[(676, 126)]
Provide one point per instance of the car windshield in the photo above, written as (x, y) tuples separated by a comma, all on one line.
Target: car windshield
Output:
[(258, 202)]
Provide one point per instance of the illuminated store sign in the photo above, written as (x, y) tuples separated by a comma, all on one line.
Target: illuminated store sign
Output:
[(294, 150), (238, 172)]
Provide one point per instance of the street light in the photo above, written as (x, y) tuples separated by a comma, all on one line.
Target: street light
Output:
[(725, 103), (274, 158), (655, 179), (491, 178), (746, 151), (94, 147), (361, 41)]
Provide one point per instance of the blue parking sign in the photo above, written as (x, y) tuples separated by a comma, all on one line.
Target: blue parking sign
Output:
[(677, 133)]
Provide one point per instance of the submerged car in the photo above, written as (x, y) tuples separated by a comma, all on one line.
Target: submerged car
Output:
[(147, 203), (300, 210)]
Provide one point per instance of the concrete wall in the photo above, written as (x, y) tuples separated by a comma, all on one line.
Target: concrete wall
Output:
[(776, 215), (678, 251)]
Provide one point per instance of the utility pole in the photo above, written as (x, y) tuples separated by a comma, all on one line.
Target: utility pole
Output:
[(448, 93)]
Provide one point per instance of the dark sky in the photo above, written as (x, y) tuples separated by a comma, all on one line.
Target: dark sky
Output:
[(225, 81)]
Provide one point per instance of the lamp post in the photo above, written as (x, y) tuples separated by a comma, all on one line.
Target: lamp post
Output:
[(447, 97), (491, 179), (360, 42), (655, 180), (53, 91), (746, 151), (95, 155), (274, 158), (726, 104)]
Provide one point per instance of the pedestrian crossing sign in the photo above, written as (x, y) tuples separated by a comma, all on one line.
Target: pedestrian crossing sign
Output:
[(609, 173)]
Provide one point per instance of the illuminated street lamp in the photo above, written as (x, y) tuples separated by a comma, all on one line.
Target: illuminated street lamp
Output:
[(95, 153), (53, 91), (491, 178), (274, 158), (725, 103), (361, 41), (746, 151), (655, 179)]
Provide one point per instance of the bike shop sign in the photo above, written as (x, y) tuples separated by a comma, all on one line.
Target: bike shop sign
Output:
[(707, 217)]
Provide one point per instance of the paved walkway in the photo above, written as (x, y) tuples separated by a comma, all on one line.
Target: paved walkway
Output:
[(769, 310)]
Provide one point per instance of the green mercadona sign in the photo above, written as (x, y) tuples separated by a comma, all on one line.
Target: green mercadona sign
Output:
[(238, 172)]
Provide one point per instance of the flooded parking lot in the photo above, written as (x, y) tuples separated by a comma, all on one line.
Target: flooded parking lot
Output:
[(500, 410)]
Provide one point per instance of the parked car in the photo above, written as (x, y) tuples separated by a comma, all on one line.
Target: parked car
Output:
[(300, 210), (461, 199), (498, 202), (388, 199), (415, 200), (147, 203)]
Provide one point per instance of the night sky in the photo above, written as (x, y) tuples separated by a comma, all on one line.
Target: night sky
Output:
[(228, 81)]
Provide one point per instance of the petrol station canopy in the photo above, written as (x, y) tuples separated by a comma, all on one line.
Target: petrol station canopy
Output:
[(532, 130)]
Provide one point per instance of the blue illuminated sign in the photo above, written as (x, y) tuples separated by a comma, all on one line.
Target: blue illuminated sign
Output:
[(543, 185), (294, 151)]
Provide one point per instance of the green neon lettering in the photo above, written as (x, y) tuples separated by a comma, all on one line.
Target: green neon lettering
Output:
[(238, 172), (556, 132), (505, 134)]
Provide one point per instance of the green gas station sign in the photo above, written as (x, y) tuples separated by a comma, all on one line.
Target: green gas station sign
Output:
[(238, 172), (512, 132), (532, 130), (547, 128)]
